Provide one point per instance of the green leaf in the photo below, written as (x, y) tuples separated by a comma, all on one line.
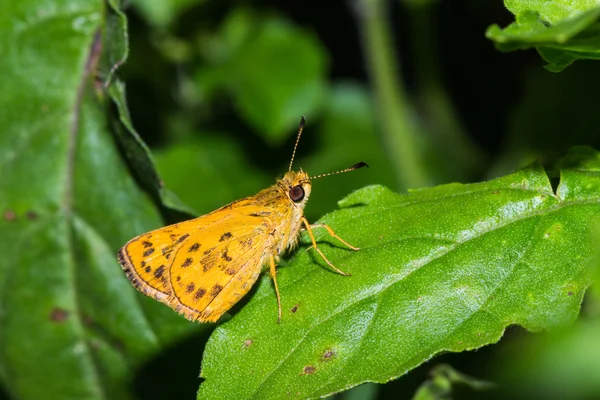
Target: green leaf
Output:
[(443, 377), (562, 31), (277, 75), (138, 154), (71, 325), (440, 269)]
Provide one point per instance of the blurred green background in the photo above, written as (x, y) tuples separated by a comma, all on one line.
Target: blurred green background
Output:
[(411, 87)]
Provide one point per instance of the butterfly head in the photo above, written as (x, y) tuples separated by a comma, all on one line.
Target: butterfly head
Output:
[(297, 186)]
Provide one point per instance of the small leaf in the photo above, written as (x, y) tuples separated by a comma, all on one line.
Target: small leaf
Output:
[(443, 377), (561, 31), (440, 269)]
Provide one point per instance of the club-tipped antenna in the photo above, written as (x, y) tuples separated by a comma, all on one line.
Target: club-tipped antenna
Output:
[(352, 168), (300, 129)]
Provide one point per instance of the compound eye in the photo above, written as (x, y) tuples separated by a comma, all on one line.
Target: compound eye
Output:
[(296, 193)]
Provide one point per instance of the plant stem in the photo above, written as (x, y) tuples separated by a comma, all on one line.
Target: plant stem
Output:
[(397, 128)]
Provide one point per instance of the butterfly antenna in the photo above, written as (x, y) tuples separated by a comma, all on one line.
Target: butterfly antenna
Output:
[(352, 168), (302, 121)]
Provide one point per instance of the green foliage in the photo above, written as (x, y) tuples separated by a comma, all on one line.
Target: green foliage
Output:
[(98, 146), (562, 31), (273, 70)]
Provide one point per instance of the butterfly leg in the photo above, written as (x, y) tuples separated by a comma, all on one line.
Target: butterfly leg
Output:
[(332, 233), (314, 245), (273, 272)]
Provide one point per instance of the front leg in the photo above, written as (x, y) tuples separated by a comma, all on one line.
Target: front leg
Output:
[(314, 245)]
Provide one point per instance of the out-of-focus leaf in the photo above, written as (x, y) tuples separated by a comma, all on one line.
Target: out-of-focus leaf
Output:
[(209, 171), (71, 325), (161, 13), (443, 378), (277, 75), (562, 31), (560, 365), (440, 269)]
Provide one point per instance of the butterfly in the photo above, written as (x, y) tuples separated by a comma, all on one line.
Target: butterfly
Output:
[(202, 267)]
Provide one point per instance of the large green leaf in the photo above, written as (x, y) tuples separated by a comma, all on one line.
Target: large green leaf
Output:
[(440, 269), (562, 31), (71, 325)]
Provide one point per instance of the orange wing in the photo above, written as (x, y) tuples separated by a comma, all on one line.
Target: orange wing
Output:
[(147, 258), (203, 266)]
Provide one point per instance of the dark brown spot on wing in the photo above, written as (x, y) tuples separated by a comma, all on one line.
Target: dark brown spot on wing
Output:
[(148, 269), (146, 244), (199, 293), (159, 272), (208, 264), (193, 248), (183, 237), (230, 271), (188, 261), (226, 257), (260, 214), (216, 290), (178, 279), (148, 252), (225, 236), (190, 288)]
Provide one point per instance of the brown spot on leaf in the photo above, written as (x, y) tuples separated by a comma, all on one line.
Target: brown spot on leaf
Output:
[(230, 271), (190, 288), (216, 290), (193, 248), (329, 353), (9, 215), (59, 314), (247, 343), (146, 244), (309, 370), (225, 236), (295, 308), (570, 293), (148, 252), (159, 272), (31, 215), (199, 293), (188, 261)]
